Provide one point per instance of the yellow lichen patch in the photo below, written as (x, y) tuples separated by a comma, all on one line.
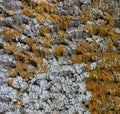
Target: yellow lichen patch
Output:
[(102, 93), (91, 28), (81, 58), (39, 17), (28, 11), (58, 50), (19, 28), (102, 28), (46, 43), (43, 69), (94, 3), (62, 34), (85, 51), (43, 6), (103, 80), (109, 19), (39, 9), (19, 102), (86, 47), (54, 17), (9, 33), (30, 40), (80, 49), (10, 82), (30, 59), (23, 70), (12, 73), (1, 17), (76, 59), (84, 16), (54, 1), (12, 47), (21, 67), (64, 22), (8, 12), (44, 30), (22, 56)]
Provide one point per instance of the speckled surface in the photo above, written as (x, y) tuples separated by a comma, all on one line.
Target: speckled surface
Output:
[(59, 56)]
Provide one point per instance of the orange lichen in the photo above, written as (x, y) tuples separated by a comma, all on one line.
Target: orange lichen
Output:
[(104, 79), (19, 28), (64, 22), (12, 47), (76, 59), (8, 12), (84, 16), (9, 33), (54, 1), (80, 49), (12, 73), (44, 30), (58, 50), (91, 28), (1, 17), (62, 34), (46, 43), (101, 80), (10, 82), (30, 40), (28, 11), (101, 93), (94, 3), (44, 7), (19, 102)]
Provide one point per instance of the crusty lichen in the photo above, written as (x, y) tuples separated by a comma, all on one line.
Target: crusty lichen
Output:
[(85, 15), (9, 33), (8, 12), (58, 50), (30, 60), (101, 82)]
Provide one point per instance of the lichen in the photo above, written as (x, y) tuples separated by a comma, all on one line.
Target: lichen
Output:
[(96, 20), (84, 16), (8, 12), (9, 33), (58, 50)]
